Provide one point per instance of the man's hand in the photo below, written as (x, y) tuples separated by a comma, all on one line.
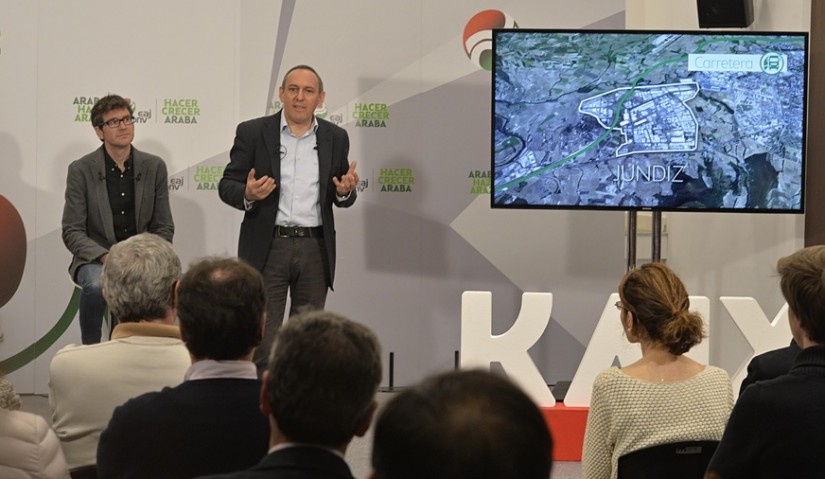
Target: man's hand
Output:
[(258, 189), (347, 182)]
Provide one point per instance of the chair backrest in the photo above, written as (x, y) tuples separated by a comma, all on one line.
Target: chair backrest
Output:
[(84, 472), (678, 460)]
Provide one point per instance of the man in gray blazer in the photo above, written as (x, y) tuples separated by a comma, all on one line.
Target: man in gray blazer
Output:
[(112, 193)]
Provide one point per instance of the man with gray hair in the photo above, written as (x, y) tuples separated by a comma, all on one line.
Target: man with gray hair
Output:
[(211, 423), (145, 353), (319, 392)]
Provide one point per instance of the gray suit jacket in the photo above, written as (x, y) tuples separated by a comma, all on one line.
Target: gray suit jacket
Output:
[(88, 229)]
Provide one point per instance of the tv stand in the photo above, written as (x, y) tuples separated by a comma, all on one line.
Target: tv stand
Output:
[(656, 238)]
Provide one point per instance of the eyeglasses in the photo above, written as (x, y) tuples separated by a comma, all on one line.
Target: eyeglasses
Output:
[(115, 122), (619, 305)]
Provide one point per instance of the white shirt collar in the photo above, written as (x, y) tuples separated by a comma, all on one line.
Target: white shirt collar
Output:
[(285, 445), (211, 369), (285, 125)]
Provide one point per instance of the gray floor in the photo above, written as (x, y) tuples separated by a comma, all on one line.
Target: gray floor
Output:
[(358, 453)]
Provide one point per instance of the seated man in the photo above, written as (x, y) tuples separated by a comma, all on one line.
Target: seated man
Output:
[(462, 425), (319, 392), (145, 353), (211, 423), (775, 429)]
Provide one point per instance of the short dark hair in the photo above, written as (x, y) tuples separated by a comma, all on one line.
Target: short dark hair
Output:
[(221, 305), (304, 67), (462, 425), (802, 280), (659, 303), (107, 104), (324, 371)]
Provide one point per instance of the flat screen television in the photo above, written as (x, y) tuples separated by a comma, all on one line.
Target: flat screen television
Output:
[(649, 120)]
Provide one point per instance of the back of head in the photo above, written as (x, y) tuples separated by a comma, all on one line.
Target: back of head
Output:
[(802, 280), (659, 304), (220, 308), (139, 278), (462, 425), (323, 374)]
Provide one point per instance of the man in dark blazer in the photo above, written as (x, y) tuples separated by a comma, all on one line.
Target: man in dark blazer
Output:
[(769, 365), (775, 428), (211, 423), (319, 392), (465, 424), (286, 171), (113, 193)]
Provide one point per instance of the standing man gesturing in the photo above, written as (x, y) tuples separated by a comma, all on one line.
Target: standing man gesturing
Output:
[(286, 171), (113, 193)]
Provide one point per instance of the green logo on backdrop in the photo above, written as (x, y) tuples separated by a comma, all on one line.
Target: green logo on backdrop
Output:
[(396, 180), (83, 108), (481, 182), (207, 177), (180, 110), (371, 115)]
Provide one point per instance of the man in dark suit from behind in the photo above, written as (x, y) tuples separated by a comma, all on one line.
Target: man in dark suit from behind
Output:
[(211, 423), (769, 365), (775, 428), (467, 424), (318, 392)]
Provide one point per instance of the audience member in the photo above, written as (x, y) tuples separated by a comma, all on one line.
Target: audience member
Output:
[(664, 397), (462, 425), (769, 365), (29, 448), (319, 392), (8, 398), (145, 353), (211, 422), (776, 428)]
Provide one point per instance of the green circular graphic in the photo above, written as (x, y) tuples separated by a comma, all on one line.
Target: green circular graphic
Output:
[(772, 63)]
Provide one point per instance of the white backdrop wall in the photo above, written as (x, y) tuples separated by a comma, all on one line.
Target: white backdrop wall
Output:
[(405, 257)]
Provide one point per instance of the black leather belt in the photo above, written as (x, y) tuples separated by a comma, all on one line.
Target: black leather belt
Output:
[(299, 231)]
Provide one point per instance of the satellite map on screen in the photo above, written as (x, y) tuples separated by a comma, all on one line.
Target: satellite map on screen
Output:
[(649, 120)]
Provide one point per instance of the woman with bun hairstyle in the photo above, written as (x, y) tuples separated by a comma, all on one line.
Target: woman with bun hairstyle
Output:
[(665, 396)]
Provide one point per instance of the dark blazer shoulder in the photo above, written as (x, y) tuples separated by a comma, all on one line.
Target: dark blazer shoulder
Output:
[(293, 463), (260, 122), (326, 126)]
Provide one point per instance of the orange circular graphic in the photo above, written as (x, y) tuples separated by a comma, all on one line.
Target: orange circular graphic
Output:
[(478, 38)]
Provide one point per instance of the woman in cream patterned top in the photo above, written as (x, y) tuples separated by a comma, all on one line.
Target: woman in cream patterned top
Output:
[(663, 397)]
